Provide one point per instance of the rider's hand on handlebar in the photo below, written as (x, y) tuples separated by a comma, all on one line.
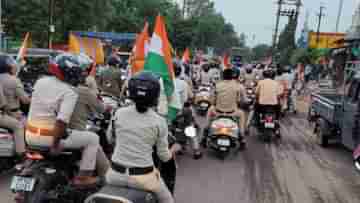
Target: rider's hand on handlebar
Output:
[(175, 148)]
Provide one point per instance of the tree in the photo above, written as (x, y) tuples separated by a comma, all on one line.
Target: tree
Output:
[(261, 51), (203, 27), (287, 42)]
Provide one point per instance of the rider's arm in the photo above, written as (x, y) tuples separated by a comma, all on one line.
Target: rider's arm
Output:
[(20, 93), (123, 89), (162, 144), (66, 109), (2, 98), (94, 104)]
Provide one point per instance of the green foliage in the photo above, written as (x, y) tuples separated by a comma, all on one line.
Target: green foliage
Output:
[(203, 26), (260, 52), (287, 43)]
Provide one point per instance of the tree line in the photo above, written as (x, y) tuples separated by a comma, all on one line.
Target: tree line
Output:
[(201, 27)]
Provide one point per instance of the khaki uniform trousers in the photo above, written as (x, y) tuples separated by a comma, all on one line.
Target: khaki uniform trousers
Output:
[(17, 127), (93, 155), (149, 182)]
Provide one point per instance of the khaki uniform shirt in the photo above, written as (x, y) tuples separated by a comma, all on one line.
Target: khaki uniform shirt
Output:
[(110, 81), (91, 83), (3, 101), (227, 95), (13, 90), (268, 92), (87, 103)]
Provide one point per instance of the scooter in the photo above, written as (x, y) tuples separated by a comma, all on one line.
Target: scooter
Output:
[(224, 135)]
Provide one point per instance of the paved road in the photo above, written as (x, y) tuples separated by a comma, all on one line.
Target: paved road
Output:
[(293, 171)]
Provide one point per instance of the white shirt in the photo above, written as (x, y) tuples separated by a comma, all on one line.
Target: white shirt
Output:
[(181, 88), (52, 100)]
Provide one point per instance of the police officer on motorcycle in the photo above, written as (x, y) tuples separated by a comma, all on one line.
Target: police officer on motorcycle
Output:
[(13, 94), (225, 101), (185, 93), (268, 94), (110, 79), (136, 130), (52, 105)]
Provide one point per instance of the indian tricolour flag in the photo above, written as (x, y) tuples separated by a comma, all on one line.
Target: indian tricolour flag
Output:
[(159, 61)]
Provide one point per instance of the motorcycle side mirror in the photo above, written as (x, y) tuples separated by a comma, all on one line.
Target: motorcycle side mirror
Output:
[(190, 131), (357, 164)]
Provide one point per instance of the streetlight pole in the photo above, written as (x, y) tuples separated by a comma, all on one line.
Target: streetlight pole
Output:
[(51, 23), (321, 14), (341, 5)]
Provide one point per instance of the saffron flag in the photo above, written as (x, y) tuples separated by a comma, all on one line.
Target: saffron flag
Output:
[(186, 56), (159, 61), (226, 62), (22, 51), (140, 50), (89, 46)]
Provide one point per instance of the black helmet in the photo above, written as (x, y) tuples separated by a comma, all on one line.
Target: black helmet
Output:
[(228, 74), (177, 68), (236, 73), (249, 69), (6, 63), (269, 74), (206, 67), (68, 68), (144, 89), (115, 61)]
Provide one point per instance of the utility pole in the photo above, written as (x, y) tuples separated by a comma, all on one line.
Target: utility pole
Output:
[(280, 2), (1, 27), (51, 23), (321, 14), (184, 8), (341, 5)]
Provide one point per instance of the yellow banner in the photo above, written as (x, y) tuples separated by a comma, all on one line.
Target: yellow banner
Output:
[(327, 40), (91, 47)]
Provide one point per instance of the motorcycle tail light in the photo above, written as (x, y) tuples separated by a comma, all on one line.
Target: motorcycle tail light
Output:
[(19, 197), (269, 119), (34, 156), (212, 114)]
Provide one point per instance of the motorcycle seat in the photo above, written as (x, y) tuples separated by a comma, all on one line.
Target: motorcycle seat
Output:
[(110, 194), (5, 130)]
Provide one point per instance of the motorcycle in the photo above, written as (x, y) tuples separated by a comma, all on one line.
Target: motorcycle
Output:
[(45, 178), (121, 195), (223, 135), (202, 100), (250, 93), (7, 150), (356, 157), (8, 157), (269, 126), (178, 129)]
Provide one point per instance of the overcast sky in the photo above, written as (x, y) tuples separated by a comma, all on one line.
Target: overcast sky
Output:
[(257, 17)]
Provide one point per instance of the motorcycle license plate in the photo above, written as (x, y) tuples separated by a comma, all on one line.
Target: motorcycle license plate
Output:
[(223, 142), (22, 184), (270, 125)]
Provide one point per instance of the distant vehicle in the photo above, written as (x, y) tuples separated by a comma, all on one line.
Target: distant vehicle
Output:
[(237, 54)]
